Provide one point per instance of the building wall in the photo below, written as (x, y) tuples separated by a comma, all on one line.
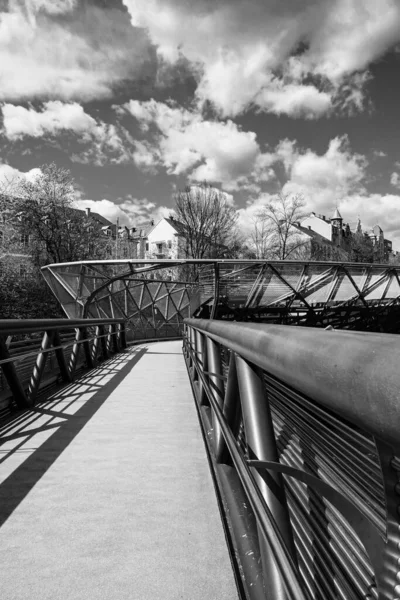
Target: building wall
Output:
[(163, 242)]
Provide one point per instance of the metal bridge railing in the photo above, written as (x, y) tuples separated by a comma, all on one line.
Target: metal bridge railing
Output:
[(33, 350), (302, 429)]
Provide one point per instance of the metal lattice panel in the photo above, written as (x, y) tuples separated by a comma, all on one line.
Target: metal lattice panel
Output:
[(152, 308)]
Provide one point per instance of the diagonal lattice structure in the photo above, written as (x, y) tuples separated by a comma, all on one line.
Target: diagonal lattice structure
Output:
[(153, 307), (344, 295), (152, 298)]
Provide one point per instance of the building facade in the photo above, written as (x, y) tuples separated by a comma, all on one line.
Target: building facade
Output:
[(332, 239)]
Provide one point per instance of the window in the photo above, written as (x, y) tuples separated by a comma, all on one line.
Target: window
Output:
[(159, 248), (169, 244), (147, 246), (24, 239)]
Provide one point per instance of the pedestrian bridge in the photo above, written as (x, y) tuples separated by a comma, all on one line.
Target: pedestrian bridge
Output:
[(244, 460)]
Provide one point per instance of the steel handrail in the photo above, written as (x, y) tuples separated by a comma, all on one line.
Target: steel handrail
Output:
[(354, 375), (22, 326)]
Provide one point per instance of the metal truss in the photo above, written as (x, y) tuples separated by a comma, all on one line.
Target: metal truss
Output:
[(152, 308), (344, 295)]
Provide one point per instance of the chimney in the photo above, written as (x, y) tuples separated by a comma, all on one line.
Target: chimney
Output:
[(87, 211)]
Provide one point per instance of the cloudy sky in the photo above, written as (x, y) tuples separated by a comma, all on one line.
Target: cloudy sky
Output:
[(140, 97)]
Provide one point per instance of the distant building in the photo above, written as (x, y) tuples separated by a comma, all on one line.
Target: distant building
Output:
[(17, 248), (332, 239)]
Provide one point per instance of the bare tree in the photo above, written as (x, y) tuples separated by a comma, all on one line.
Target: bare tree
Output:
[(275, 235), (260, 237), (43, 209), (207, 220)]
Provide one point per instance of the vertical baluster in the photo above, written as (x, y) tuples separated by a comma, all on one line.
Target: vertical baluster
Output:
[(201, 356), (122, 335), (11, 376), (40, 364), (75, 353), (62, 363), (214, 367), (231, 410), (95, 346), (262, 446), (114, 338), (87, 349), (103, 342)]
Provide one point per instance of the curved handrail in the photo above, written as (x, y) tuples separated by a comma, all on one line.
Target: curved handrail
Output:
[(351, 374)]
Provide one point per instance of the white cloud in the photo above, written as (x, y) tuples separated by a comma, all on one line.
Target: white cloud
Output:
[(9, 177), (80, 57), (184, 143), (129, 211), (55, 117), (248, 52), (103, 142), (297, 100), (395, 179)]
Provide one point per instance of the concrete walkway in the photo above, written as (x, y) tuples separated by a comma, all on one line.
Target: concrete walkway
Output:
[(105, 490)]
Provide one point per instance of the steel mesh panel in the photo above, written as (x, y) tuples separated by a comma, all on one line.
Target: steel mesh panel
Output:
[(332, 559), (344, 289), (377, 292), (394, 288), (146, 299), (316, 286), (275, 288), (171, 310)]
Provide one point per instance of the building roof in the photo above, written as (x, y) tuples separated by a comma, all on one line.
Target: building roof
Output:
[(336, 214), (177, 225)]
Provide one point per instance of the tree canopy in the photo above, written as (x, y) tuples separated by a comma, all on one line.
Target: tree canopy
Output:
[(43, 208), (207, 219)]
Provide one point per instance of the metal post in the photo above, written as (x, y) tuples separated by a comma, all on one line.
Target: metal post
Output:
[(261, 444), (231, 411), (38, 369), (191, 346), (103, 342), (114, 338), (87, 349), (200, 343), (62, 363), (216, 384), (109, 339), (75, 353), (216, 291), (11, 375), (122, 336), (95, 346)]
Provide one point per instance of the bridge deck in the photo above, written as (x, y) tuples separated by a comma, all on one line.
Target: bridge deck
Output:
[(105, 490)]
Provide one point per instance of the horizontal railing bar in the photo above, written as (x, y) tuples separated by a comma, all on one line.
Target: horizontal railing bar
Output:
[(210, 261), (22, 326), (354, 377), (21, 357)]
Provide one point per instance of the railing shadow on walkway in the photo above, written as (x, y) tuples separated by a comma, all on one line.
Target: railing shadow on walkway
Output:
[(32, 440)]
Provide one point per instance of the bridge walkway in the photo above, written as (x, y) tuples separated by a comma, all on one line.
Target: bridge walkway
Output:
[(105, 490)]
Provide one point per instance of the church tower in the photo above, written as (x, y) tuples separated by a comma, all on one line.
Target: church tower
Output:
[(337, 227)]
